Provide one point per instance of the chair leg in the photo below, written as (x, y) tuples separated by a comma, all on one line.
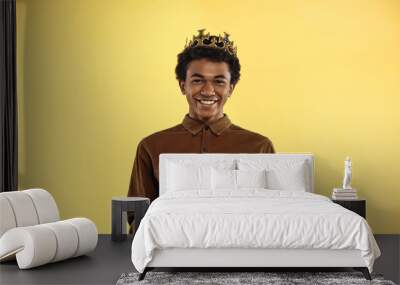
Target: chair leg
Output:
[(364, 271), (143, 274)]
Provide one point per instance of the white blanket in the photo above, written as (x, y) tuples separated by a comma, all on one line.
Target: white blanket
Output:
[(250, 218)]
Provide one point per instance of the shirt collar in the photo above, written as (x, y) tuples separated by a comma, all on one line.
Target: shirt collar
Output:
[(195, 126)]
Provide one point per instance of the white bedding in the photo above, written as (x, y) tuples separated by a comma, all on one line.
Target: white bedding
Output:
[(250, 218)]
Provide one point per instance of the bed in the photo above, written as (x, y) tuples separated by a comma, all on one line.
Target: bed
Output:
[(247, 210)]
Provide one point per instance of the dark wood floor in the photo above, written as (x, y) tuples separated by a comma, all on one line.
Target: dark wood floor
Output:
[(102, 266), (111, 259)]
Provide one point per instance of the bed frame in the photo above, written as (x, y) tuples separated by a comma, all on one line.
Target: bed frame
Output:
[(244, 259)]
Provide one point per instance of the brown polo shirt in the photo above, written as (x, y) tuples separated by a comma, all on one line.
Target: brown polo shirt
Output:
[(191, 136)]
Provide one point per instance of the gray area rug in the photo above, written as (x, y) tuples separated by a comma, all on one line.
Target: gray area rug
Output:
[(269, 278)]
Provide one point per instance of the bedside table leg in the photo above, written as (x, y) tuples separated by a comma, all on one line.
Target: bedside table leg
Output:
[(117, 225)]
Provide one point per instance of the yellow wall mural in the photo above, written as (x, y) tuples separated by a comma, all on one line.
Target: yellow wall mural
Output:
[(96, 76)]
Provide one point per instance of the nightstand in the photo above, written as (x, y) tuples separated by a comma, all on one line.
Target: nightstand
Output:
[(120, 206), (357, 206)]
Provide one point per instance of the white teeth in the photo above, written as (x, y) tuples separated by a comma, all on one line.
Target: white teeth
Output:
[(207, 102)]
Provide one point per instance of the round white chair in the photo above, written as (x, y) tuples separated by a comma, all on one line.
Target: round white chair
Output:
[(31, 233)]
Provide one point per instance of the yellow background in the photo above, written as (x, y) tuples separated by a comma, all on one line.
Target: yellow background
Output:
[(96, 76)]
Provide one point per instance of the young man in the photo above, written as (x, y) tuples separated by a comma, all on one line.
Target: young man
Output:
[(207, 71)]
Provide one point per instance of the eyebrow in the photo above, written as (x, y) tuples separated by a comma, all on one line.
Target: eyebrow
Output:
[(199, 75)]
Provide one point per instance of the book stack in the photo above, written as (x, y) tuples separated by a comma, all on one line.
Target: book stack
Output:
[(344, 194)]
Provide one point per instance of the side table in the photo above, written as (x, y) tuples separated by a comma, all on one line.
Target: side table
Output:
[(120, 206), (357, 206)]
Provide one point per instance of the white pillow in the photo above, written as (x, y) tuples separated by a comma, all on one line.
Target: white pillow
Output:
[(251, 178), (282, 174), (223, 179), (236, 179), (181, 177)]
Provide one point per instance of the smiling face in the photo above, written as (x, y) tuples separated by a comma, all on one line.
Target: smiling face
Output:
[(207, 88)]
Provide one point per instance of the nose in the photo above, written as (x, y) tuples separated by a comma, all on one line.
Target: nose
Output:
[(208, 89)]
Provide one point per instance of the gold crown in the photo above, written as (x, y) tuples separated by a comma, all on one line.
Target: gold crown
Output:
[(208, 40)]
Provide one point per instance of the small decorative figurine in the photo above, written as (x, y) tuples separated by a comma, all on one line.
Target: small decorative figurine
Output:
[(347, 174), (346, 192)]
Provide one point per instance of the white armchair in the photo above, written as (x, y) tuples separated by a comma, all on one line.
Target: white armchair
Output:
[(31, 232)]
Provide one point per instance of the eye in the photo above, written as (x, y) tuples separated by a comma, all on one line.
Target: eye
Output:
[(220, 82), (197, 81)]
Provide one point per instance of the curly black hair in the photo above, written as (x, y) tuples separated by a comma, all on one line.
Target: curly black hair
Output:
[(213, 54)]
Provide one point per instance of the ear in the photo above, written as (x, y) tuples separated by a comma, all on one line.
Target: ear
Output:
[(231, 88), (182, 87)]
